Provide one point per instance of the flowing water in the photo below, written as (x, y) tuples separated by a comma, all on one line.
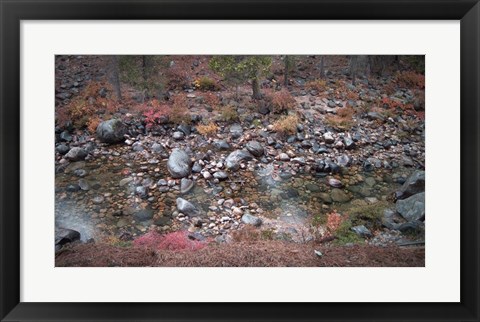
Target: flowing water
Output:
[(110, 200)]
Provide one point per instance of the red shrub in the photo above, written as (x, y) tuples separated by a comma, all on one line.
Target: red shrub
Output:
[(282, 101)]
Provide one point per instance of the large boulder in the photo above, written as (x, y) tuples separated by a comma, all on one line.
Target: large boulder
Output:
[(412, 208), (233, 160), (414, 184), (64, 236), (111, 131), (186, 207), (179, 164)]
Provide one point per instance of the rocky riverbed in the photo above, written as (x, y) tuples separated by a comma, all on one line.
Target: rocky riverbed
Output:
[(125, 179)]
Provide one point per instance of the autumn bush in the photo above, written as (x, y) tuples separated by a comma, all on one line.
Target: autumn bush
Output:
[(83, 110), (281, 101), (211, 100), (343, 120), (286, 125), (206, 84), (228, 113), (410, 79), (179, 111), (208, 130), (319, 85)]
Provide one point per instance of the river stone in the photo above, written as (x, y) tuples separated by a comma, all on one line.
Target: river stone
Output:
[(328, 137), (186, 185), (339, 195), (111, 131), (98, 199), (143, 215), (64, 236), (233, 160), (221, 145), (62, 149), (335, 183), (312, 187), (125, 181), (76, 154), (178, 135), (343, 160), (255, 148), (349, 144), (412, 208), (236, 131), (362, 231), (220, 175), (83, 184), (185, 128), (179, 164), (157, 148), (414, 184), (368, 166), (251, 220), (186, 207)]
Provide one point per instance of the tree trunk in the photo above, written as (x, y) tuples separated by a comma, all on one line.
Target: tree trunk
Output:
[(287, 67), (144, 67), (256, 89), (322, 67), (115, 77), (353, 69)]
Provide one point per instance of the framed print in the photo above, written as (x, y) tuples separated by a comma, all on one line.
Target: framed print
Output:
[(264, 161)]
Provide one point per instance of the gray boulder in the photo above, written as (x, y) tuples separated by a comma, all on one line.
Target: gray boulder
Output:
[(64, 236), (236, 131), (186, 185), (233, 160), (255, 148), (339, 195), (412, 208), (251, 220), (111, 131), (186, 207), (414, 184), (76, 154), (179, 164)]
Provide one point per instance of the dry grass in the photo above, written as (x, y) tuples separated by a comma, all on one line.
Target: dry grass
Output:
[(179, 112), (258, 254), (286, 125), (319, 85), (343, 120), (281, 101), (228, 114), (208, 130)]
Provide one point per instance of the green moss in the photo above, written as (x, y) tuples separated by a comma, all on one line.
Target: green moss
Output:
[(369, 215), (124, 244), (267, 234), (318, 220), (344, 235)]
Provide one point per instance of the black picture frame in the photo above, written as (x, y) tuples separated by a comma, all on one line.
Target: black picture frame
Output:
[(12, 12)]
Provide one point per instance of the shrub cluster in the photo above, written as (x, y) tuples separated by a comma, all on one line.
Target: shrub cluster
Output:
[(281, 101), (286, 125)]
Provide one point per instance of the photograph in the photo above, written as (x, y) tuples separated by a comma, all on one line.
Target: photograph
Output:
[(239, 160)]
